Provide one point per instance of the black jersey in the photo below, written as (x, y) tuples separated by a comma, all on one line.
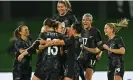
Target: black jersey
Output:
[(73, 50), (22, 44), (69, 43), (72, 46), (50, 55), (115, 43), (49, 59), (68, 19), (91, 39), (78, 42)]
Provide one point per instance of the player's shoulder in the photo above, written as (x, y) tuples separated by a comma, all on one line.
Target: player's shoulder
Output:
[(18, 41), (55, 16), (70, 13), (118, 37), (95, 29), (80, 39), (43, 33), (61, 35)]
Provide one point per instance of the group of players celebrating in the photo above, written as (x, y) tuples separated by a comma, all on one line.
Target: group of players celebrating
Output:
[(67, 48)]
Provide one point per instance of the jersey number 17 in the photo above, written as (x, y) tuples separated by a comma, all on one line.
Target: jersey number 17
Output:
[(85, 41)]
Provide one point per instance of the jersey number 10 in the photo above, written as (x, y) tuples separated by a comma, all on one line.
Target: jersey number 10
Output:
[(52, 49)]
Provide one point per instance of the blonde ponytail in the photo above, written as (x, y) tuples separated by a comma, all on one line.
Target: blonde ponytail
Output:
[(121, 24)]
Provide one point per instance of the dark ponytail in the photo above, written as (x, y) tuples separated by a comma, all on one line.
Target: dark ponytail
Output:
[(50, 23), (17, 30), (11, 49)]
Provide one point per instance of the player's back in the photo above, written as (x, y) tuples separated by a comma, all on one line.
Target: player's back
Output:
[(50, 55)]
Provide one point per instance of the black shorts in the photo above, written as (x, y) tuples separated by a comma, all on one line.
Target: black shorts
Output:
[(62, 62), (72, 69), (76, 68), (89, 63), (62, 70), (69, 69), (46, 72), (21, 74), (115, 69)]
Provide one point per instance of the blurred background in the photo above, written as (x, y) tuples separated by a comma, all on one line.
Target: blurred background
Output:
[(34, 12)]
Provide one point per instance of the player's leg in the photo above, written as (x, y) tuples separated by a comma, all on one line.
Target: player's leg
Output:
[(89, 73), (90, 68), (69, 72), (81, 72), (67, 78), (117, 77), (35, 78), (119, 72)]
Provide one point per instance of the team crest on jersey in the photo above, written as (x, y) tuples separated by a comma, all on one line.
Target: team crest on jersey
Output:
[(90, 36), (80, 40), (117, 70)]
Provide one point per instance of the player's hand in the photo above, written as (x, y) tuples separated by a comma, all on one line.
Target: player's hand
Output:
[(82, 46), (41, 47), (20, 57), (99, 56), (81, 55), (106, 47), (42, 42)]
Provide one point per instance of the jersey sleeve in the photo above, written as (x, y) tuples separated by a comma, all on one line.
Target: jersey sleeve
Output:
[(35, 45), (101, 47), (74, 19), (120, 43), (61, 36), (19, 45), (71, 19), (55, 16), (67, 41), (98, 37), (32, 49), (42, 36)]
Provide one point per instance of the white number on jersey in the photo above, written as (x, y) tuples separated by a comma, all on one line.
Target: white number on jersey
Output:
[(52, 49), (85, 41)]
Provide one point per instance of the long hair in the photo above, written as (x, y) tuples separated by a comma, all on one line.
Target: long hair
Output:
[(11, 49), (119, 25), (17, 30)]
